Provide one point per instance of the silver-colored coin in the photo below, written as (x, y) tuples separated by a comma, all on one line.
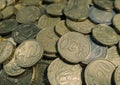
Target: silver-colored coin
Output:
[(117, 76), (2, 4), (28, 53)]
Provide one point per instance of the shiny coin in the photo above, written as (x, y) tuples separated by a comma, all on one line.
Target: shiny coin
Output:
[(28, 53), (61, 73), (117, 4), (104, 4), (2, 4), (82, 27), (48, 39), (6, 49), (7, 25), (61, 28), (117, 76), (99, 72), (24, 32), (105, 34), (28, 14), (47, 22), (101, 16), (76, 10), (74, 47)]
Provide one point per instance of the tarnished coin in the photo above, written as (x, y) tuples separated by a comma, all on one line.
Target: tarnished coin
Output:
[(101, 16), (7, 26), (12, 68), (74, 47), (2, 4), (77, 10), (47, 22), (117, 76), (24, 32), (48, 39), (31, 2), (28, 53), (6, 49), (99, 72), (28, 14), (61, 28), (82, 27), (104, 4), (61, 73), (96, 52), (117, 4), (105, 34)]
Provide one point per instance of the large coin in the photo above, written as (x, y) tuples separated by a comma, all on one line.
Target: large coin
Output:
[(24, 32), (117, 4), (82, 27), (61, 73), (6, 49), (28, 53), (74, 47), (101, 16), (99, 72), (77, 10), (105, 34), (48, 39), (117, 76)]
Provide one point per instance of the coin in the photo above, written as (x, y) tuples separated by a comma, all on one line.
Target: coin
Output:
[(50, 55), (47, 22), (117, 76), (104, 4), (74, 47), (24, 32), (84, 27), (28, 14), (77, 10), (61, 73), (105, 34), (48, 39), (2, 4), (12, 68), (7, 26), (61, 28), (28, 53), (99, 72), (32, 2), (117, 4), (101, 16)]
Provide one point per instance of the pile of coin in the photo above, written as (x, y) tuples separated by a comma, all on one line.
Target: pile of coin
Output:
[(59, 42)]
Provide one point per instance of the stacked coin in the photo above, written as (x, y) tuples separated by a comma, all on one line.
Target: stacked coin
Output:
[(59, 42)]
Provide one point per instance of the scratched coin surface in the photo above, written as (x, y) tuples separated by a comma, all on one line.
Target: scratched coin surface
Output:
[(105, 34), (99, 16), (74, 47), (77, 10), (99, 72), (6, 49), (61, 73), (28, 53), (117, 76)]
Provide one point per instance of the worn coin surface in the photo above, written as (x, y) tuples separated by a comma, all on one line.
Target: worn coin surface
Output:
[(82, 27), (105, 34), (99, 72), (117, 76), (101, 16), (61, 73), (28, 53), (74, 47)]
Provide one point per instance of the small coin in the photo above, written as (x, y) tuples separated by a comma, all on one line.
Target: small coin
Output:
[(28, 14), (31, 2), (99, 72), (101, 16), (77, 10), (28, 53), (104, 4), (6, 49), (48, 39), (12, 68), (47, 22), (61, 28), (2, 4), (82, 27), (74, 47), (117, 4), (7, 26), (24, 31), (61, 73), (105, 34), (117, 76)]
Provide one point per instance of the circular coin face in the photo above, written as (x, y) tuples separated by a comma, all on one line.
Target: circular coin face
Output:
[(99, 72), (28, 53), (117, 76), (74, 47), (61, 73)]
